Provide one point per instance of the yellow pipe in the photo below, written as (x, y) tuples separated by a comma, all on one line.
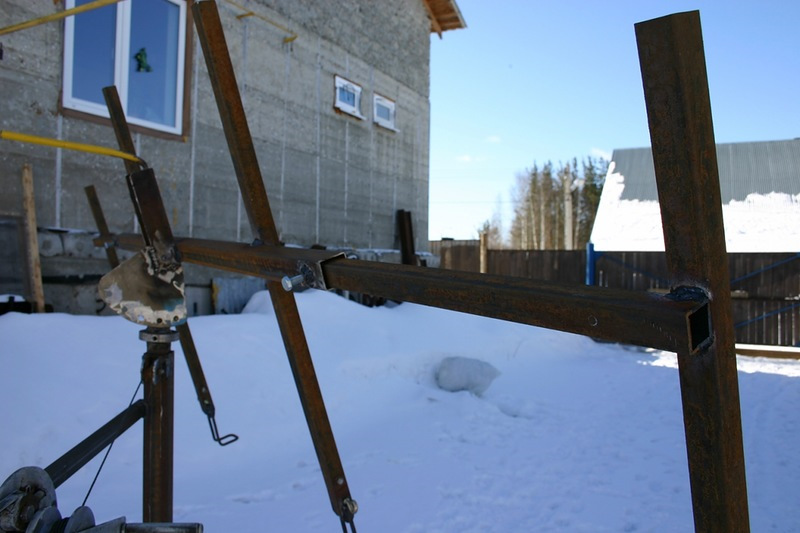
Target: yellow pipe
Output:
[(80, 147), (56, 16), (250, 13)]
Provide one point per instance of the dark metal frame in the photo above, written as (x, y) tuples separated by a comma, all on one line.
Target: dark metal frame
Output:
[(694, 320)]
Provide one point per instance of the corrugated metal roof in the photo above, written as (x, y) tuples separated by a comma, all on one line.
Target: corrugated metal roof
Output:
[(744, 168)]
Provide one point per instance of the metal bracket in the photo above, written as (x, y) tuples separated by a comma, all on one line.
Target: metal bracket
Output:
[(317, 274), (310, 274)]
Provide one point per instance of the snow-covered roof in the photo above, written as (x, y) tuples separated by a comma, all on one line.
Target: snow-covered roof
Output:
[(760, 187)]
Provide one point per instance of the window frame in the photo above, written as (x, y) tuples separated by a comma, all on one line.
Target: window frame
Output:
[(391, 105), (346, 107), (94, 112)]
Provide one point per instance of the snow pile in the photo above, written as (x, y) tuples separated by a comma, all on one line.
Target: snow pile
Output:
[(760, 223), (457, 374), (570, 436)]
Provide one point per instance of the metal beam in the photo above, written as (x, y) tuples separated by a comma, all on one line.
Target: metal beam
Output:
[(684, 152), (158, 376), (254, 196), (616, 315), (158, 362), (100, 222), (62, 468)]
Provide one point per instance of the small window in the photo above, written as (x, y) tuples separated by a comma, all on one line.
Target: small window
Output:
[(383, 112), (137, 46), (348, 97)]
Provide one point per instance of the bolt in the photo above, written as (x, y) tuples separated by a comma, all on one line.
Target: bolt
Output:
[(291, 283)]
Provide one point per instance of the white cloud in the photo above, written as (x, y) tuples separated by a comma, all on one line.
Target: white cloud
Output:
[(467, 158), (493, 139), (599, 152)]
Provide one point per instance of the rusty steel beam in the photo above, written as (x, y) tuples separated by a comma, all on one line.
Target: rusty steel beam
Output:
[(100, 221), (684, 153), (158, 362), (158, 376), (254, 196), (615, 315), (65, 466), (633, 317), (405, 230)]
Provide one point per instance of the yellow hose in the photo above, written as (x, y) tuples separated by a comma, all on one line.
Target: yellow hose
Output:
[(248, 13), (56, 16), (56, 143)]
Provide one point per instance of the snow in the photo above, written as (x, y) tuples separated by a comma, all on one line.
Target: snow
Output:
[(455, 374), (760, 223), (571, 435)]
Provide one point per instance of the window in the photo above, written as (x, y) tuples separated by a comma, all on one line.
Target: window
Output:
[(383, 112), (348, 97), (139, 46)]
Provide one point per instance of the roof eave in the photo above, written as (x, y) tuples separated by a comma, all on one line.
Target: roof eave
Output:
[(444, 15)]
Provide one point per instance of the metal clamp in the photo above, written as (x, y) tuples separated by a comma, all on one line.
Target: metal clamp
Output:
[(347, 515), (158, 335)]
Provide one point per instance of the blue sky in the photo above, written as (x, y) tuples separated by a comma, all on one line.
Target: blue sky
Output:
[(536, 81)]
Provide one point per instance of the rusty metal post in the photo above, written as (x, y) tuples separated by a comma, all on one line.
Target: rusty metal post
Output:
[(484, 251), (405, 230), (684, 152), (256, 203), (158, 362), (102, 225), (159, 392)]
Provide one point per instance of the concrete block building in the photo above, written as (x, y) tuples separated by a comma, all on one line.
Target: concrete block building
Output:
[(336, 95)]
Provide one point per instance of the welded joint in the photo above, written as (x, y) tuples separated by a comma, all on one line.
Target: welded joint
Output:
[(698, 320), (309, 274)]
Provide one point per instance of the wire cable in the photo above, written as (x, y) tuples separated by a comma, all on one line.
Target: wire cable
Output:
[(108, 451)]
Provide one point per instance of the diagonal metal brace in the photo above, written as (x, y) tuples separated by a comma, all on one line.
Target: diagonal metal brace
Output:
[(256, 203)]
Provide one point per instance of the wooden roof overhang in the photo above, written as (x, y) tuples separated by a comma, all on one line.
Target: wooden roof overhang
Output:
[(444, 15)]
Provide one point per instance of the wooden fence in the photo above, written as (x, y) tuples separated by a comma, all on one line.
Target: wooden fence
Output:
[(765, 286)]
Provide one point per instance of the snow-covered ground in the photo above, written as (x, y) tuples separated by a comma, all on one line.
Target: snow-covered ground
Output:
[(570, 436)]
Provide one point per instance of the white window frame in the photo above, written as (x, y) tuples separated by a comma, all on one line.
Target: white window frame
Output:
[(346, 107), (390, 105), (121, 68)]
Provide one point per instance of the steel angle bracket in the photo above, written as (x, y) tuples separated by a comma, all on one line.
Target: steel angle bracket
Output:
[(310, 274), (316, 271)]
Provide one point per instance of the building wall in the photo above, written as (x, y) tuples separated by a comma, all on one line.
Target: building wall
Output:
[(332, 179)]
